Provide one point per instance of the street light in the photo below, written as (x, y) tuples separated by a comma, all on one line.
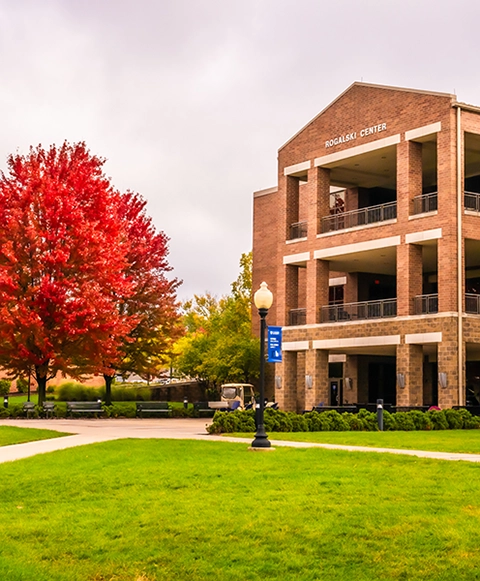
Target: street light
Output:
[(263, 300)]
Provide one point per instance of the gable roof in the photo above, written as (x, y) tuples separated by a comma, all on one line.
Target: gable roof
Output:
[(370, 86)]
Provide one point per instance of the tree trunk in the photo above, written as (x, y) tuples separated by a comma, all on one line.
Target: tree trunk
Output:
[(42, 386), (108, 389)]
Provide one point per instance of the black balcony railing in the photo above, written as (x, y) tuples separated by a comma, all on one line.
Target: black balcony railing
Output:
[(425, 203), (426, 304), (472, 303), (297, 317), (360, 217), (298, 230), (472, 201), (358, 311)]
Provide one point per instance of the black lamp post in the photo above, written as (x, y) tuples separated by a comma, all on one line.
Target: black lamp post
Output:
[(263, 300)]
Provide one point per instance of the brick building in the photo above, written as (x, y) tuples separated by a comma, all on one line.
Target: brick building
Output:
[(371, 246)]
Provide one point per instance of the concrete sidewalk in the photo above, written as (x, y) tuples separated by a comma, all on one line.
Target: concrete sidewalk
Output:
[(102, 430)]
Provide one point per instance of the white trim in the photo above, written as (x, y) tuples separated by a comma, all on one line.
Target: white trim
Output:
[(296, 240), (355, 228), (295, 345), (358, 150), (337, 358), (296, 258), (339, 281), (297, 168), (423, 215), (420, 338), (356, 342), (423, 131), (265, 192), (423, 236), (326, 253)]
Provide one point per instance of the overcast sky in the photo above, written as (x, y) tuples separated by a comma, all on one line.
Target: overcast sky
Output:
[(190, 100)]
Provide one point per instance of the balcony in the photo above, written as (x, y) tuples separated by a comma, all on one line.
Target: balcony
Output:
[(472, 304), (297, 317), (359, 311), (472, 201), (425, 203), (298, 230), (360, 217), (426, 304)]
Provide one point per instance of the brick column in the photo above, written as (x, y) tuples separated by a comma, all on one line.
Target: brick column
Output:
[(287, 395), (350, 395), (301, 388), (316, 366), (447, 273), (291, 291), (448, 363), (318, 272), (410, 363), (292, 203), (409, 277), (321, 205), (351, 288), (409, 177)]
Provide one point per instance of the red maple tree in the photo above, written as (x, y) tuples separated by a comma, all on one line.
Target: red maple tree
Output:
[(151, 302), (63, 265)]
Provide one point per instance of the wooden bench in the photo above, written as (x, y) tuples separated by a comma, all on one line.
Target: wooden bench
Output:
[(29, 408), (202, 410), (84, 407), (48, 408), (153, 407)]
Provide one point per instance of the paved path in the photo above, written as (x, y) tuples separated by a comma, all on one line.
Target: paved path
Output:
[(99, 430)]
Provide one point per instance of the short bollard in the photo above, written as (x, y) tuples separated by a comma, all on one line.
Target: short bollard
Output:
[(380, 414), (257, 415), (185, 402), (5, 401)]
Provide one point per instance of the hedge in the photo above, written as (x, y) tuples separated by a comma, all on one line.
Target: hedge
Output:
[(331, 420), (118, 409)]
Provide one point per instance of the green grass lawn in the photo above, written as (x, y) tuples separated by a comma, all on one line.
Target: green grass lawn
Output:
[(461, 441), (12, 435), (144, 510)]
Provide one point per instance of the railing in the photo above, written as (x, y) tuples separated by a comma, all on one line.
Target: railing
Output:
[(426, 304), (358, 311), (298, 230), (297, 317), (425, 203), (472, 201), (359, 217), (472, 303)]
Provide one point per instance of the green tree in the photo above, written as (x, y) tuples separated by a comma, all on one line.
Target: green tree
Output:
[(218, 345)]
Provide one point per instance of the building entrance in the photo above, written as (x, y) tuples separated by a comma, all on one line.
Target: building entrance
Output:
[(336, 391)]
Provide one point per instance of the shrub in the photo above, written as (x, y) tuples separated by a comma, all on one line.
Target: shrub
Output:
[(404, 421), (223, 423), (313, 421), (438, 419), (120, 410), (369, 419), (299, 422), (22, 385), (5, 385), (421, 420), (355, 423), (277, 421), (454, 419), (389, 423), (73, 391)]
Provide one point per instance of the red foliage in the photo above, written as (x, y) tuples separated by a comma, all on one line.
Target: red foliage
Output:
[(69, 257)]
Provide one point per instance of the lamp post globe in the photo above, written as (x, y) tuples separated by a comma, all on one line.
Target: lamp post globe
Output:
[(263, 300)]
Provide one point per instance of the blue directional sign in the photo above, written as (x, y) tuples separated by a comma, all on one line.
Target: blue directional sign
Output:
[(274, 344)]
